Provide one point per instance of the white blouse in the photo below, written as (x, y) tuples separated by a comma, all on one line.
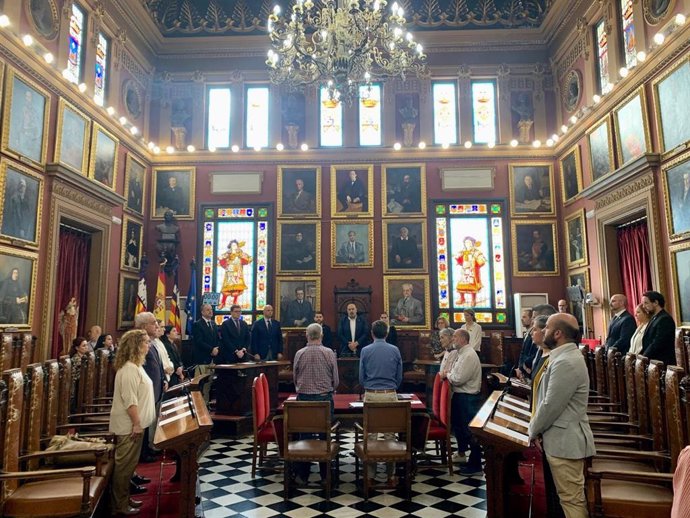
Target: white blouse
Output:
[(636, 340)]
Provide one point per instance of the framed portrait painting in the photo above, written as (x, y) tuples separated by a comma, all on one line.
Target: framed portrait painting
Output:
[(535, 248), (576, 239), (72, 143), (132, 237), (580, 278), (672, 100), (403, 246), (135, 184), (21, 202), (299, 247), (680, 262), (25, 119), (299, 192), (17, 287), (127, 301), (632, 131), (405, 190), (407, 299), (600, 149), (298, 298), (571, 174), (531, 189), (676, 176), (352, 191), (103, 159), (173, 189), (352, 244)]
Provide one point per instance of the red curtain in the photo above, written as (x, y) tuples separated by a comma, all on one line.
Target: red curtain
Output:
[(633, 250), (72, 281)]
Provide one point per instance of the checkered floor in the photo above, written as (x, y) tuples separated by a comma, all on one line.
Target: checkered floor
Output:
[(229, 490)]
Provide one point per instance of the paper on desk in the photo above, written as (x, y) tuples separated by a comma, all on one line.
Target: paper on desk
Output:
[(291, 398), (356, 404)]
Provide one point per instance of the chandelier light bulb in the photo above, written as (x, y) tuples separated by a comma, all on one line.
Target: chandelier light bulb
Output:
[(397, 146), (573, 119), (596, 98), (65, 73), (659, 38), (536, 143), (468, 144), (49, 58), (191, 148), (4, 21), (28, 40), (276, 9), (513, 143), (422, 145), (445, 145), (169, 149), (156, 150), (235, 148), (549, 142), (280, 146), (110, 110), (555, 137), (123, 120), (564, 128), (134, 130), (212, 149), (82, 87), (151, 145), (641, 56), (491, 145), (624, 72), (257, 148), (304, 147), (680, 19)]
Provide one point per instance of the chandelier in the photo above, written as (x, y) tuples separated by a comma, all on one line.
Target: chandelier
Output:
[(343, 45)]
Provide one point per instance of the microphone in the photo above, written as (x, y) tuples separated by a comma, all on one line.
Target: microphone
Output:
[(189, 401)]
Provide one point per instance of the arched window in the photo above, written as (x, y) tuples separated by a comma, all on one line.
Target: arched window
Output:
[(75, 57), (100, 79)]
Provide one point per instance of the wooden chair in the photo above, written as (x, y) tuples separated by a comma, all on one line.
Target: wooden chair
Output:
[(439, 428), (263, 428), (309, 417), (391, 418)]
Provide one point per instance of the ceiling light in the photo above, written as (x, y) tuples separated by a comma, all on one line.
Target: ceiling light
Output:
[(536, 143), (422, 145), (491, 145), (151, 145), (513, 143), (235, 148), (279, 146), (397, 146), (680, 19), (257, 148), (596, 98), (191, 148), (304, 147), (156, 150), (623, 72), (445, 145), (641, 56), (123, 120), (564, 128), (212, 149), (4, 21), (659, 38), (82, 87), (49, 58), (169, 149), (110, 110), (28, 40), (467, 144), (66, 73), (555, 137), (573, 119), (134, 130), (549, 142)]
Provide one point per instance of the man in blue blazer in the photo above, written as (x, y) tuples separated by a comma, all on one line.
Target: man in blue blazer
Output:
[(353, 333), (622, 325), (658, 341), (234, 338), (267, 337)]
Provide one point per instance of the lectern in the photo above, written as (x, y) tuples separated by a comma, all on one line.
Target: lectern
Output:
[(183, 426), (234, 385)]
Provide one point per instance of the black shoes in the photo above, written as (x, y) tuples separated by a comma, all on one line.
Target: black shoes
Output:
[(135, 489), (139, 480)]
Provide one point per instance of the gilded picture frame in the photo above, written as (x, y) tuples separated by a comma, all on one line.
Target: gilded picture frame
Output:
[(571, 174), (672, 106), (680, 265), (352, 197), (576, 239), (173, 188), (21, 287), (44, 16), (103, 156), (404, 242), (676, 180), (26, 113), (20, 212), (580, 276), (405, 313), (535, 248), (72, 140), (127, 300), (600, 141), (132, 244), (135, 185), (299, 247), (299, 191), (286, 288), (631, 127), (531, 189), (404, 186), (352, 244)]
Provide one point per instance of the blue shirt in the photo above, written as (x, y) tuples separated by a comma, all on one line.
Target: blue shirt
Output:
[(380, 366)]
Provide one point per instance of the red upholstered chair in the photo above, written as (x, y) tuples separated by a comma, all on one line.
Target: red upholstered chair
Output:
[(267, 394), (439, 429), (264, 431)]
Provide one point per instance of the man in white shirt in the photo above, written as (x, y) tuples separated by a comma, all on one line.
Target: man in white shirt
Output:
[(474, 330)]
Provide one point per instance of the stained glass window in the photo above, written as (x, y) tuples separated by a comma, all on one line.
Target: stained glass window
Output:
[(218, 123), (331, 120), (101, 70), (602, 57), (484, 112), (628, 33), (76, 39), (370, 115), (445, 113), (257, 116)]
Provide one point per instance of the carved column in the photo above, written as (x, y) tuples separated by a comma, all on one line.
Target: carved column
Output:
[(465, 101), (538, 101), (505, 114)]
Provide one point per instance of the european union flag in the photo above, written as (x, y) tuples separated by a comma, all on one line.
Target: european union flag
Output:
[(190, 307)]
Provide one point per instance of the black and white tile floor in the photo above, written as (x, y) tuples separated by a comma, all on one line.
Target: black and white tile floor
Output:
[(228, 490)]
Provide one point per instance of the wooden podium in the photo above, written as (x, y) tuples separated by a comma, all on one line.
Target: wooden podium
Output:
[(233, 385), (501, 427), (183, 426)]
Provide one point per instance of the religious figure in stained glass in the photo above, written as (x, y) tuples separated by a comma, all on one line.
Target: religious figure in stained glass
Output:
[(233, 262), (471, 259)]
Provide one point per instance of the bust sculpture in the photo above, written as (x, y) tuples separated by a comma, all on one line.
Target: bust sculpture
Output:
[(168, 237)]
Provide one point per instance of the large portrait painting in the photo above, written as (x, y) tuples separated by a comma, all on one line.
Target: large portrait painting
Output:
[(576, 239), (580, 278), (600, 149), (299, 247), (298, 298), (680, 260), (135, 185), (173, 189), (676, 175), (672, 98), (299, 191), (406, 297), (352, 190), (17, 287), (632, 132), (531, 188), (405, 190), (127, 301), (571, 174), (72, 143), (25, 119), (103, 163), (22, 199), (132, 238), (535, 249), (352, 244), (403, 246)]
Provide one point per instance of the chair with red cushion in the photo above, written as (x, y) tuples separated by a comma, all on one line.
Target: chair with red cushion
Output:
[(264, 431), (439, 429)]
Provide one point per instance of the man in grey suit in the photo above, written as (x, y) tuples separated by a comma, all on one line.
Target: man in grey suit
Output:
[(351, 251), (408, 310), (560, 425)]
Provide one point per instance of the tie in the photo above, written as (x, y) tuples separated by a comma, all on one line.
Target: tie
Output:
[(268, 325), (237, 325), (208, 323)]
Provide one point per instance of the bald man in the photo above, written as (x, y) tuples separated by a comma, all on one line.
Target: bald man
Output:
[(622, 325), (562, 306), (560, 426)]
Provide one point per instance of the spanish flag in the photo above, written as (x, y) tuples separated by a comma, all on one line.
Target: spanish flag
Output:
[(175, 319), (159, 304)]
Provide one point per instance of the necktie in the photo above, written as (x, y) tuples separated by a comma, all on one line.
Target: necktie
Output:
[(268, 325), (208, 323), (237, 325)]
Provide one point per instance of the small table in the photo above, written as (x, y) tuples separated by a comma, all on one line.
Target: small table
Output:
[(234, 385)]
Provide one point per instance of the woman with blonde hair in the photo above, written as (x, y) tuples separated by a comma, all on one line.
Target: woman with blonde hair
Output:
[(132, 412), (643, 317), (435, 340)]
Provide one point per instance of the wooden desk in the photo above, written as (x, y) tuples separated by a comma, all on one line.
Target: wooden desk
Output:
[(348, 374), (183, 426), (233, 385)]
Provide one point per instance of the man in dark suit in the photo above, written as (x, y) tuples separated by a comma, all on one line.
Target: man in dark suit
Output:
[(658, 341), (299, 312), (234, 338), (352, 194), (404, 252), (327, 338), (267, 337), (529, 349), (622, 325), (353, 332), (205, 345)]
